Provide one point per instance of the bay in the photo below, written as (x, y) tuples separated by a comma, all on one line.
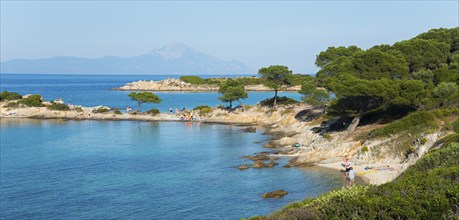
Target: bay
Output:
[(54, 169)]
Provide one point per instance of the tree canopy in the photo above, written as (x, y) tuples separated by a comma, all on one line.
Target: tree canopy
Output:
[(144, 97), (420, 73), (232, 90), (275, 77)]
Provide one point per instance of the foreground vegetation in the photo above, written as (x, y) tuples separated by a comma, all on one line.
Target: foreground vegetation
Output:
[(427, 190)]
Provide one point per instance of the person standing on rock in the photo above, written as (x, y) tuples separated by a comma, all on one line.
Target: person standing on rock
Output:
[(170, 110)]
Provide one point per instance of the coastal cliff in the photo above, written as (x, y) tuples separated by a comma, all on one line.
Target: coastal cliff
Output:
[(180, 85)]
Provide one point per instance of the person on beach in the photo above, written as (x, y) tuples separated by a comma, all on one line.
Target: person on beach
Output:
[(351, 176), (347, 164), (176, 111), (170, 110), (68, 104)]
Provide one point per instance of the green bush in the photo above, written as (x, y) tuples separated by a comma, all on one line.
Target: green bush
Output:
[(364, 149), (58, 107), (414, 123), (12, 105), (203, 109), (280, 101), (153, 111), (100, 110), (326, 136), (192, 79), (423, 140), (456, 126), (5, 95), (78, 109), (32, 101), (427, 190), (249, 81), (117, 112)]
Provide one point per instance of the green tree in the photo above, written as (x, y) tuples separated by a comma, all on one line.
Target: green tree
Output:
[(334, 53), (275, 77), (445, 35), (447, 93), (357, 96), (232, 90), (421, 53), (143, 97), (313, 95)]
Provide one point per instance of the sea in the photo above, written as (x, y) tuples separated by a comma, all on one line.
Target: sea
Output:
[(64, 169)]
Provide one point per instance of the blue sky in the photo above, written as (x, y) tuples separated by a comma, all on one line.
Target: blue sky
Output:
[(258, 33)]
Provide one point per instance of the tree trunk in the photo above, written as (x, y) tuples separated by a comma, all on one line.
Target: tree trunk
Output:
[(231, 104), (243, 107), (138, 107), (275, 98), (355, 122)]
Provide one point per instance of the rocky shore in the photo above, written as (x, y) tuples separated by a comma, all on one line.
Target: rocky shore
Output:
[(179, 85), (294, 136)]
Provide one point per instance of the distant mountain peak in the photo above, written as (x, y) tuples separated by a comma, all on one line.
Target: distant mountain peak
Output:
[(173, 51), (173, 58)]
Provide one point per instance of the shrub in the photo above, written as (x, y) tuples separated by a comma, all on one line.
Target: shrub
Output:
[(78, 109), (12, 105), (153, 111), (280, 101), (364, 149), (326, 136), (117, 112), (413, 123), (249, 81), (192, 79), (456, 126), (203, 109), (100, 110), (58, 107), (5, 95), (423, 140), (32, 101)]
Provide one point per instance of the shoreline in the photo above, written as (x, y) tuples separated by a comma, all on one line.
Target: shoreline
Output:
[(281, 125)]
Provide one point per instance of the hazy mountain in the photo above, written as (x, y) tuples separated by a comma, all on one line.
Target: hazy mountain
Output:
[(171, 59)]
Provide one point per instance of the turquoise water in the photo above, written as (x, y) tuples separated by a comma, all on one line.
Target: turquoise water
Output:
[(54, 169), (94, 90)]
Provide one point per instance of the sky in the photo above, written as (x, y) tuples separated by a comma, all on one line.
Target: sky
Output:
[(257, 33)]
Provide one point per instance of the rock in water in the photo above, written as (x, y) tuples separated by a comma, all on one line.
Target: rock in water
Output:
[(243, 167), (271, 164), (258, 164), (250, 129), (275, 194)]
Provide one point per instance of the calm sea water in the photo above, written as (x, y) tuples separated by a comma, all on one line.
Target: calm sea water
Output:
[(55, 169), (94, 90)]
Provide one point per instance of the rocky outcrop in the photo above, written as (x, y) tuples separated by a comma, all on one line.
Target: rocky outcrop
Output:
[(250, 129), (243, 167), (260, 157), (179, 85), (275, 194), (261, 164)]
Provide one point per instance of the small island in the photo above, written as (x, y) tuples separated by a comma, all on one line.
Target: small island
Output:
[(196, 83)]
